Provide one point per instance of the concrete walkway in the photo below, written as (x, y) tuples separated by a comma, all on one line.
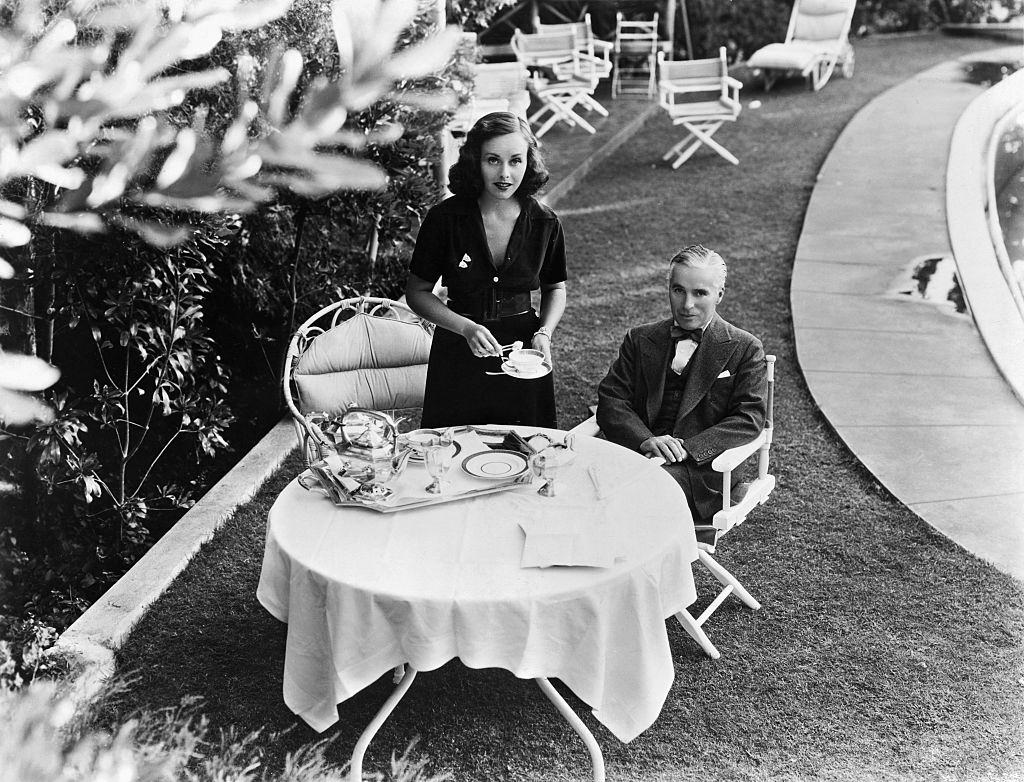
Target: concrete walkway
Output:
[(907, 383)]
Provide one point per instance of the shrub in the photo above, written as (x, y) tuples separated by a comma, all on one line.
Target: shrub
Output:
[(41, 741), (134, 320), (475, 15)]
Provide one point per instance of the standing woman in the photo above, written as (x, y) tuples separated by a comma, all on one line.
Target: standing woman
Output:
[(492, 243)]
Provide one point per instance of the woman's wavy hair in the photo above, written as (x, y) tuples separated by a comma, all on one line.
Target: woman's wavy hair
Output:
[(464, 176)]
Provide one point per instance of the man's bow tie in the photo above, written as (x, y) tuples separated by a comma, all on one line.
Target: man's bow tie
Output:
[(678, 333)]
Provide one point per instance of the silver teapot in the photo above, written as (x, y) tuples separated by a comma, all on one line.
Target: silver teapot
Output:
[(368, 441)]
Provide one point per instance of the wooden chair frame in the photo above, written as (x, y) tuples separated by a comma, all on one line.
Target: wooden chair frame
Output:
[(633, 55), (565, 88), (594, 54), (734, 512), (701, 118)]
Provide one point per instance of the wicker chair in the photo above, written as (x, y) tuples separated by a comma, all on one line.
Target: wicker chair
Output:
[(364, 352)]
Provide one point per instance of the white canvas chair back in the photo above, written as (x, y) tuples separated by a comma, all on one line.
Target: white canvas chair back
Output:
[(736, 505), (635, 33), (595, 60), (634, 51), (817, 41), (703, 76), (538, 50), (820, 20), (701, 96), (365, 351), (497, 86)]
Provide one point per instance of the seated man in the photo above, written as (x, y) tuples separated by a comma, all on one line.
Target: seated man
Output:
[(688, 387)]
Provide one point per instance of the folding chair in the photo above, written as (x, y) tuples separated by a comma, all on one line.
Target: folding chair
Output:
[(699, 95), (364, 351), (633, 56), (497, 86), (737, 503), (556, 80), (594, 54), (817, 41)]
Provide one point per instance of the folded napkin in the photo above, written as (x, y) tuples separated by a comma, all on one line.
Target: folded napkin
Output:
[(570, 542), (513, 441), (607, 477)]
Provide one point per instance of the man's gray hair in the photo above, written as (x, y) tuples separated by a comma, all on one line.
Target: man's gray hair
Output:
[(697, 256)]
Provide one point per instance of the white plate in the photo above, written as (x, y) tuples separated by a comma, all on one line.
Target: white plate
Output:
[(525, 374), (495, 464)]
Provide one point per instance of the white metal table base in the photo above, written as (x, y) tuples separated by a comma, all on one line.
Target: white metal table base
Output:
[(356, 767), (596, 758)]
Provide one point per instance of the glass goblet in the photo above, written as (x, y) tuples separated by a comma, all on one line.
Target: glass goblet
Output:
[(548, 463), (438, 457)]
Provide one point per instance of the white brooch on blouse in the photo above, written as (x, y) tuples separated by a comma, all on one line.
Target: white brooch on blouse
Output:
[(465, 262)]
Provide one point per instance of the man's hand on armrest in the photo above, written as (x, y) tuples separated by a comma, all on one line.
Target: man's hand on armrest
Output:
[(666, 446)]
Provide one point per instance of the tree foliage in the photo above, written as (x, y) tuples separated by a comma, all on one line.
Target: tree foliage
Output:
[(141, 142), (86, 99)]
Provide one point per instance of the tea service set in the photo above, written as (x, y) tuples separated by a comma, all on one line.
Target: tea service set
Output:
[(369, 452)]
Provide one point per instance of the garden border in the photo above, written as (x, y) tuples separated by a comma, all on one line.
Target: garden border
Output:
[(88, 646)]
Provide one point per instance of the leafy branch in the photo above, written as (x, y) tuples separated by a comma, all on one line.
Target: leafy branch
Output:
[(85, 106)]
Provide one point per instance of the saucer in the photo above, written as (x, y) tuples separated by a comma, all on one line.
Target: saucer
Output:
[(495, 464), (525, 374)]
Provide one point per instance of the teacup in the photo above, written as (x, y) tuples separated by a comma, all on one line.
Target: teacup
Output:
[(526, 359)]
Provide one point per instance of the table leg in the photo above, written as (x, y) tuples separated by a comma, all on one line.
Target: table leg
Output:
[(356, 768), (577, 725)]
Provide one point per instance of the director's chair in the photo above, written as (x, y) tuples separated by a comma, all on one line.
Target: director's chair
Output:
[(556, 80), (737, 503), (700, 95)]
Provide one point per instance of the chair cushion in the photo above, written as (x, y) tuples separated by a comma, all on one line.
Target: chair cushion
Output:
[(821, 20), (795, 56), (371, 361), (704, 109)]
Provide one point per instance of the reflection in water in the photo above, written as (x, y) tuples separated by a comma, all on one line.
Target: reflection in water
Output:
[(933, 278)]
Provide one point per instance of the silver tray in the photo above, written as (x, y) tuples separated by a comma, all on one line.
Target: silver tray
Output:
[(408, 503)]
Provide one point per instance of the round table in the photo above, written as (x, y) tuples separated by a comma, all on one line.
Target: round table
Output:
[(365, 592)]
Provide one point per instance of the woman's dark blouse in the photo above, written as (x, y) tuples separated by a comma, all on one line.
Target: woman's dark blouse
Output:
[(454, 229), (452, 244)]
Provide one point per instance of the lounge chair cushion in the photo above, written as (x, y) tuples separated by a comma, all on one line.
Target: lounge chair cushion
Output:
[(795, 56), (820, 20)]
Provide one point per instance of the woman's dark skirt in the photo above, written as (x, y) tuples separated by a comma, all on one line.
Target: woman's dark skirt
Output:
[(459, 392)]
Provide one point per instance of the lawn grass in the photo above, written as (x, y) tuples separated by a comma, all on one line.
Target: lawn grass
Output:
[(883, 650)]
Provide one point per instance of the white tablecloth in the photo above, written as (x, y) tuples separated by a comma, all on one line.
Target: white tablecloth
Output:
[(363, 592)]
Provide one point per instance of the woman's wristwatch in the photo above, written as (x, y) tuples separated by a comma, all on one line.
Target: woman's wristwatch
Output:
[(543, 330)]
